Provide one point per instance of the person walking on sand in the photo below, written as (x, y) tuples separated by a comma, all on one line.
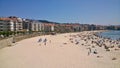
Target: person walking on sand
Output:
[(89, 51), (40, 40), (45, 40)]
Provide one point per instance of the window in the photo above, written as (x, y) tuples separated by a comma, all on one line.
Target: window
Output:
[(1, 26), (1, 23)]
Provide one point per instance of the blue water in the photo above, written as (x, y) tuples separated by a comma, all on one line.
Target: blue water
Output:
[(111, 34)]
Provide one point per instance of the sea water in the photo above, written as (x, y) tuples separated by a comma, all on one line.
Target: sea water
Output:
[(113, 34)]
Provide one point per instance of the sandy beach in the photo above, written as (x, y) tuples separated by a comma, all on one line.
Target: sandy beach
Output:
[(69, 50)]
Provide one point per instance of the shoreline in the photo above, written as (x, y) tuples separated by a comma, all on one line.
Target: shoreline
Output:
[(77, 50), (112, 34)]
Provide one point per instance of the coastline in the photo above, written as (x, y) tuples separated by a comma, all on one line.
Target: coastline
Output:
[(112, 34), (69, 50)]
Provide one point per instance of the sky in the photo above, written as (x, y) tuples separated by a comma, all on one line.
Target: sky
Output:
[(101, 12)]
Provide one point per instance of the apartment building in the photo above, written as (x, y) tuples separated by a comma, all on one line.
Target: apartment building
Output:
[(5, 26), (35, 26), (32, 25), (49, 27), (13, 23), (10, 24), (76, 27)]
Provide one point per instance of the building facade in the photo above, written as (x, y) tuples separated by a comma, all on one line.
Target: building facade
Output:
[(49, 27), (13, 23), (32, 25), (10, 24)]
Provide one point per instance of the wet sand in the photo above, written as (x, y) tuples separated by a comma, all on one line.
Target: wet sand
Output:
[(70, 50)]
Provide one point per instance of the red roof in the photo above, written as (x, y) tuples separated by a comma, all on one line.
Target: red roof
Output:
[(69, 25), (9, 19), (49, 24)]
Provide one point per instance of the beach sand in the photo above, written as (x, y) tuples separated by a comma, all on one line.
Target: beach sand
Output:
[(60, 51)]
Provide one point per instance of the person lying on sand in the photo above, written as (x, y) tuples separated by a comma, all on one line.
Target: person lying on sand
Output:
[(92, 50)]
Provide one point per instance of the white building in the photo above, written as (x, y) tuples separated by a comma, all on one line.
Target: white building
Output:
[(31, 25), (10, 24)]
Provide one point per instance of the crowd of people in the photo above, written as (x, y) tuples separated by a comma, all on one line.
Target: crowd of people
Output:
[(93, 40)]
